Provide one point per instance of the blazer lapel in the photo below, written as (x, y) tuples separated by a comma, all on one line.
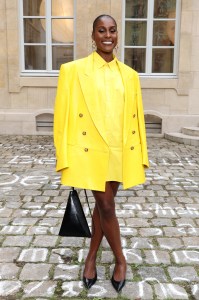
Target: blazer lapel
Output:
[(89, 90)]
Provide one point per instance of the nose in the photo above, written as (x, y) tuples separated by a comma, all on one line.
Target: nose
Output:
[(108, 34)]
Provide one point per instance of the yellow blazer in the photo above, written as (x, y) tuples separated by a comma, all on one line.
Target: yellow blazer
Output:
[(82, 151)]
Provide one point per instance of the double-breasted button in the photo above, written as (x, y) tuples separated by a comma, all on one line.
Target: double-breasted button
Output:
[(132, 148), (86, 149), (134, 115), (133, 132), (84, 132), (80, 115)]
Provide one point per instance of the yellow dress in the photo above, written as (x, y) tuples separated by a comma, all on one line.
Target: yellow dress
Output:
[(111, 98)]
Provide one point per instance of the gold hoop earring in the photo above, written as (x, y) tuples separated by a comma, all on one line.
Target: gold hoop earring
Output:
[(93, 45)]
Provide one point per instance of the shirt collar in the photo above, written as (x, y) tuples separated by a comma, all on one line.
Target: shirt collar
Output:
[(100, 62)]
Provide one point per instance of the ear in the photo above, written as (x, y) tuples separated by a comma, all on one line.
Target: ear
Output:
[(92, 35)]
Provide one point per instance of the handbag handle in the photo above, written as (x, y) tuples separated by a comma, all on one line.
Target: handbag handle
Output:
[(89, 210)]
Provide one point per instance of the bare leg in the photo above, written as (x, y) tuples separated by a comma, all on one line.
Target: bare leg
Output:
[(106, 220), (90, 263)]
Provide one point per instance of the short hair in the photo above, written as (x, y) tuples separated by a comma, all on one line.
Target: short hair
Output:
[(100, 17)]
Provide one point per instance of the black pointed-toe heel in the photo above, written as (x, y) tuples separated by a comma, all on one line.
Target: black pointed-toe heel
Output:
[(88, 283), (118, 285)]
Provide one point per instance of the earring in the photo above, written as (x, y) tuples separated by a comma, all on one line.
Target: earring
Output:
[(116, 48), (93, 45)]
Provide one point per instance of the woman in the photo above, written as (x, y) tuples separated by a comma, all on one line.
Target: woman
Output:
[(99, 136)]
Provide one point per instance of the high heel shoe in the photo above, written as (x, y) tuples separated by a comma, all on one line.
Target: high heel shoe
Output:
[(118, 285), (88, 283)]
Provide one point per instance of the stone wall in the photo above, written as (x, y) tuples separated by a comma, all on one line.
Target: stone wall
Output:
[(175, 101)]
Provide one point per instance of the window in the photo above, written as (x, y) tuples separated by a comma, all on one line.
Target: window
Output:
[(151, 36), (47, 35)]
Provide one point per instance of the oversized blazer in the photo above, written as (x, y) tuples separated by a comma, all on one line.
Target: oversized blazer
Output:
[(82, 151)]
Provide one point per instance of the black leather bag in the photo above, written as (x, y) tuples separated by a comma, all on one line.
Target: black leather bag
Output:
[(74, 222)]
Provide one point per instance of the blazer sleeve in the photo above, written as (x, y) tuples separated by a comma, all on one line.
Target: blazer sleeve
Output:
[(141, 124), (61, 114)]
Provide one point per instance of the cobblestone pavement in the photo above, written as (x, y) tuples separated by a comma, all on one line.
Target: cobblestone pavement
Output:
[(159, 225)]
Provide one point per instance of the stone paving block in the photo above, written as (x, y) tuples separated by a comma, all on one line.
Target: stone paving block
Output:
[(71, 242), (141, 243), (191, 242), (145, 214), (66, 272), (39, 289), (8, 271), (106, 257), (102, 289), (161, 222), (170, 291), (73, 288), (9, 254), (4, 221), (9, 288), (170, 243), (156, 257), (137, 290), (60, 256), (33, 255), (133, 256), (38, 230), (17, 240), (13, 230), (45, 241), (152, 273), (48, 222), (183, 274), (137, 222), (150, 232), (190, 257), (195, 291), (33, 272), (5, 212), (24, 221)]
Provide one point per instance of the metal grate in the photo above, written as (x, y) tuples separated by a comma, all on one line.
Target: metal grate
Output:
[(153, 124), (44, 122)]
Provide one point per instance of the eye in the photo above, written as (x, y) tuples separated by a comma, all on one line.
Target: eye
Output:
[(101, 30), (113, 30)]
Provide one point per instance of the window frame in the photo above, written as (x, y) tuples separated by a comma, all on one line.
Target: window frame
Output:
[(48, 72), (149, 40)]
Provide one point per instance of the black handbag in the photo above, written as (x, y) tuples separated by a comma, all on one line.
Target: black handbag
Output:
[(74, 222)]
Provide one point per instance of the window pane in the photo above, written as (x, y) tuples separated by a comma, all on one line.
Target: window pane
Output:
[(162, 61), (62, 31), (135, 33), (162, 8), (33, 31), (32, 7), (35, 57), (164, 33), (135, 58), (62, 8), (136, 9), (61, 55)]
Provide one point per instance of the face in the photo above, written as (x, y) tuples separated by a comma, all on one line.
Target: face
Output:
[(105, 35)]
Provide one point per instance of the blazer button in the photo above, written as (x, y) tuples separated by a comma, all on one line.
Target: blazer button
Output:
[(80, 115), (86, 149), (132, 148), (134, 115), (133, 132), (84, 132)]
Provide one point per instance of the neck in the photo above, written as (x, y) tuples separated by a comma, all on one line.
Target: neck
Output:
[(106, 56)]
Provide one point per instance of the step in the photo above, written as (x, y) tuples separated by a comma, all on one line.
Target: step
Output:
[(182, 138), (194, 131)]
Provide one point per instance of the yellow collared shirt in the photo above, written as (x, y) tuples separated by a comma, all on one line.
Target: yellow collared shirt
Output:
[(111, 99)]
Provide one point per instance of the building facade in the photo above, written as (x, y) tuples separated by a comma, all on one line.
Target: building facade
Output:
[(158, 38)]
